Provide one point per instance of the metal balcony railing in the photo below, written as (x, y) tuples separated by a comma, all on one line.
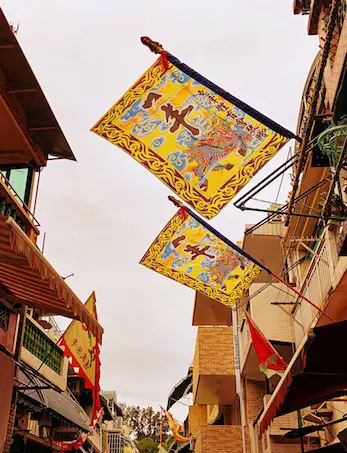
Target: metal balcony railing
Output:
[(12, 205), (318, 278), (316, 285)]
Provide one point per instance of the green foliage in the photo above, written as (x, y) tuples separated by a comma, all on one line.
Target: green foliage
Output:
[(145, 423), (147, 445)]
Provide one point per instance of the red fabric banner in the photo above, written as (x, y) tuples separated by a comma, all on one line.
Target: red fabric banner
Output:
[(270, 362)]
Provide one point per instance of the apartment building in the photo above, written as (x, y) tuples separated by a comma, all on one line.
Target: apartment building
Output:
[(235, 407), (314, 243), (116, 432), (37, 409), (217, 420)]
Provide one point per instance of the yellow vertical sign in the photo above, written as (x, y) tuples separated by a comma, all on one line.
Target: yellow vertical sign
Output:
[(80, 344)]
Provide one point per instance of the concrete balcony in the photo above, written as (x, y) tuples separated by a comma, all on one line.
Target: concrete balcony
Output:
[(316, 284), (333, 284), (226, 439), (274, 323), (43, 354), (324, 281), (260, 241), (214, 369), (209, 312)]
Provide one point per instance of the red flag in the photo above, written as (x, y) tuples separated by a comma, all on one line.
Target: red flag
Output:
[(270, 362)]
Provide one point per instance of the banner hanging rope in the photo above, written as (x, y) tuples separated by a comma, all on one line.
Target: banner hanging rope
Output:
[(180, 205)]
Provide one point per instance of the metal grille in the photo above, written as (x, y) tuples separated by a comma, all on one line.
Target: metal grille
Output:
[(42, 347), (4, 317), (118, 443), (115, 443)]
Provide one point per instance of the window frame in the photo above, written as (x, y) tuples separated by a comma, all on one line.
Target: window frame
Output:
[(7, 170)]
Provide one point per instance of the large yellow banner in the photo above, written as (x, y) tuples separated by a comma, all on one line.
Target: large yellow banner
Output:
[(202, 142)]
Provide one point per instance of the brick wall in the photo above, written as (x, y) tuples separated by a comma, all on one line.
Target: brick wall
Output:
[(10, 426), (279, 447), (214, 354), (214, 368), (197, 417), (254, 392), (221, 439)]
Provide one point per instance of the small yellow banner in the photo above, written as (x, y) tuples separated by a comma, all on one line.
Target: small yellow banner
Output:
[(189, 253), (80, 345)]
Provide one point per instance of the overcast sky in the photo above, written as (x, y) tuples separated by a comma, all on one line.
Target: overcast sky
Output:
[(101, 213)]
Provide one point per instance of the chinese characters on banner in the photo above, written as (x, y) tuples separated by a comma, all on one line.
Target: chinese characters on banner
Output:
[(189, 253), (81, 345), (199, 140)]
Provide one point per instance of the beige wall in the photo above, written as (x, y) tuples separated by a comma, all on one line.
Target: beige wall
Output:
[(253, 399), (271, 320)]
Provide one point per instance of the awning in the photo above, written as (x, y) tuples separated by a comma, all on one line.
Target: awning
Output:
[(181, 389), (23, 88), (316, 373), (28, 278), (60, 405)]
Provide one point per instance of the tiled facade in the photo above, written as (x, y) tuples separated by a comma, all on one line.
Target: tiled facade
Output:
[(221, 439), (197, 417), (214, 366)]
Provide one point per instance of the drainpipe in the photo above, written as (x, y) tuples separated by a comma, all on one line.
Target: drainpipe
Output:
[(100, 434), (238, 376)]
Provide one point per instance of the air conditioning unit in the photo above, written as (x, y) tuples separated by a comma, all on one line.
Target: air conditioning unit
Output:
[(279, 216)]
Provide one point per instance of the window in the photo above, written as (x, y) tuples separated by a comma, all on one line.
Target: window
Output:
[(20, 179), (42, 347)]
